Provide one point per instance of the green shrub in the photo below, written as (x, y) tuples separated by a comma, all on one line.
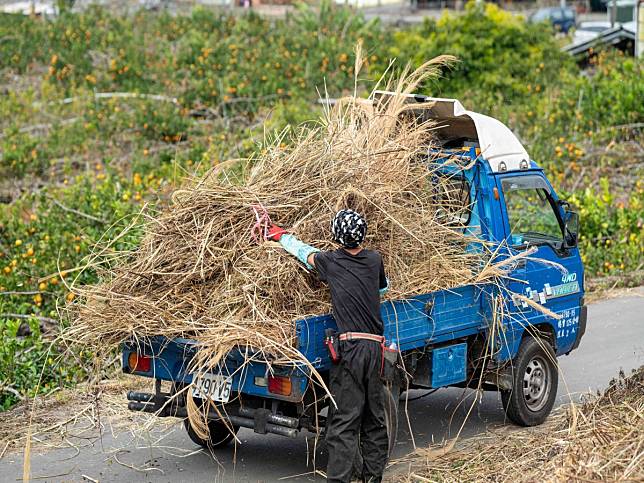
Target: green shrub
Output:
[(499, 54), (209, 57), (612, 239)]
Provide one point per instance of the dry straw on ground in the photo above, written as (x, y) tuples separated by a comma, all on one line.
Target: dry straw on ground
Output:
[(602, 440), (198, 274), (70, 418)]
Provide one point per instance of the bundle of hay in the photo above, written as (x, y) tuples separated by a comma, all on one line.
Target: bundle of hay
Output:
[(599, 440), (198, 273)]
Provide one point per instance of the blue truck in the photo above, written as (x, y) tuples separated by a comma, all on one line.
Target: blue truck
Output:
[(445, 338)]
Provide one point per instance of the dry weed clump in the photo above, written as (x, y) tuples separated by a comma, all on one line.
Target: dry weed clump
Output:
[(601, 439), (198, 273)]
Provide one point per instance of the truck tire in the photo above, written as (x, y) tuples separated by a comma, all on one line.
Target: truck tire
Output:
[(220, 434), (535, 378)]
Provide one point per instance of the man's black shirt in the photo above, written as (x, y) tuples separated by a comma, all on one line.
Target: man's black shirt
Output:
[(355, 282)]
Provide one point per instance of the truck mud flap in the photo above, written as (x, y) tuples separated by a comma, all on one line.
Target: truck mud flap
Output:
[(583, 320)]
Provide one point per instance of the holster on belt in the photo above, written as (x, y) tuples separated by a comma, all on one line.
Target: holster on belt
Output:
[(332, 343), (389, 361)]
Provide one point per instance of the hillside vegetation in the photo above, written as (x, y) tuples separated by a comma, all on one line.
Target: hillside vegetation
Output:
[(102, 116)]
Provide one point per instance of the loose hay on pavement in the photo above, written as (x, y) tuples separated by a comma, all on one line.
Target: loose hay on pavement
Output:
[(71, 417), (601, 439)]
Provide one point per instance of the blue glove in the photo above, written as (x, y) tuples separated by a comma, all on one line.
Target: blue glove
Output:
[(297, 248)]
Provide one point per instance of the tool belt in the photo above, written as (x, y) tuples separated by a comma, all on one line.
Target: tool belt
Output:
[(388, 356), (332, 341), (362, 335)]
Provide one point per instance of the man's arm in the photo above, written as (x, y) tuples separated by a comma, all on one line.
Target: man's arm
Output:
[(300, 250)]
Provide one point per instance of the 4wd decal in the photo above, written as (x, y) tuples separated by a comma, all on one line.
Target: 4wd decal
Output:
[(569, 277), (551, 292), (563, 289)]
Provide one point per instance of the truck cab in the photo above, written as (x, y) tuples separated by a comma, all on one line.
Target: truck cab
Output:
[(514, 206), (503, 336)]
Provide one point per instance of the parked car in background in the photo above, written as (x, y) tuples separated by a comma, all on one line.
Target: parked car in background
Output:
[(562, 19), (589, 30)]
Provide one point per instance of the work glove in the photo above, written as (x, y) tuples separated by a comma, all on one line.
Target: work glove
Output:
[(275, 232)]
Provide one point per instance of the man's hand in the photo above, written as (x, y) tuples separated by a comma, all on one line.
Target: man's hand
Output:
[(275, 232)]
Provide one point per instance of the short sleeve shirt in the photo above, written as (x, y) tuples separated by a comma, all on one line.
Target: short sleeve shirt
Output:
[(355, 282)]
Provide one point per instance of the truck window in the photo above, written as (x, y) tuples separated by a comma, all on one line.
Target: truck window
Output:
[(453, 198), (531, 211)]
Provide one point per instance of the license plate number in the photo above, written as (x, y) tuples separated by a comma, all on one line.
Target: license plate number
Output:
[(215, 387)]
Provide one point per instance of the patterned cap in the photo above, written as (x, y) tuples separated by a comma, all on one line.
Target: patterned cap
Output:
[(349, 228)]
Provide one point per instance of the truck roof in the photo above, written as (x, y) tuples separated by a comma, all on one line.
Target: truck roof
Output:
[(497, 143)]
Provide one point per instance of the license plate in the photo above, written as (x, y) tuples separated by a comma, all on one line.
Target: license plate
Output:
[(215, 387)]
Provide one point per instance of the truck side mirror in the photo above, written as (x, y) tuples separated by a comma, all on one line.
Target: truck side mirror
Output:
[(571, 229)]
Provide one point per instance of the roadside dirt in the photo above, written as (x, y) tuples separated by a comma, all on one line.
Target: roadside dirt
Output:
[(612, 287), (68, 416)]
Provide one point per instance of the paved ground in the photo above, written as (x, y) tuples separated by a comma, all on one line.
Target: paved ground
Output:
[(614, 340)]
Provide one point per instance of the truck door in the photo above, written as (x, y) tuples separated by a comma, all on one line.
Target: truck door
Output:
[(553, 275)]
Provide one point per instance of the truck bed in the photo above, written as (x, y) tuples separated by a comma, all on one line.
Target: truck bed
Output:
[(411, 323), (429, 319)]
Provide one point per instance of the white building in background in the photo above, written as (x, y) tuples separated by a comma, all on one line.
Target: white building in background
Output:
[(46, 9)]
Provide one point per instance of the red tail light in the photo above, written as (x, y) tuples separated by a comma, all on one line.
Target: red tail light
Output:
[(280, 385), (138, 363)]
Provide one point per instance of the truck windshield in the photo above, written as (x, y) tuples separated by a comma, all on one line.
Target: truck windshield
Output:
[(531, 211)]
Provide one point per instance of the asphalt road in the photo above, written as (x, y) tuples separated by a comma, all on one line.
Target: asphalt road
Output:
[(614, 340)]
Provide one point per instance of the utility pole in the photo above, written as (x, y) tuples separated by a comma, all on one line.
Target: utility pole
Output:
[(639, 29)]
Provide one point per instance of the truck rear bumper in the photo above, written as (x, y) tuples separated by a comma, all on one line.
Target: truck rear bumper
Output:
[(260, 420), (171, 360)]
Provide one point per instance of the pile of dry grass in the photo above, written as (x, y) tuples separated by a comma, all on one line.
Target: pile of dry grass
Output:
[(198, 274), (599, 440)]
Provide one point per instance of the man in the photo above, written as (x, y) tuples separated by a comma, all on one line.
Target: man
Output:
[(356, 279)]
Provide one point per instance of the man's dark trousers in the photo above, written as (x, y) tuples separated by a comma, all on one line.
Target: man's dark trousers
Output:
[(360, 396)]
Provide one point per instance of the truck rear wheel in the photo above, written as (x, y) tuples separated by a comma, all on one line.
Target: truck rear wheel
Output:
[(220, 434), (535, 379)]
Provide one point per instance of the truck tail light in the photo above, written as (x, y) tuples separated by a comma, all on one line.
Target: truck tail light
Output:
[(138, 363), (280, 385)]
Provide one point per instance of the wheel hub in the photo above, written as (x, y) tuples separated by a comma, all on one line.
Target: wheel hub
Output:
[(536, 384)]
